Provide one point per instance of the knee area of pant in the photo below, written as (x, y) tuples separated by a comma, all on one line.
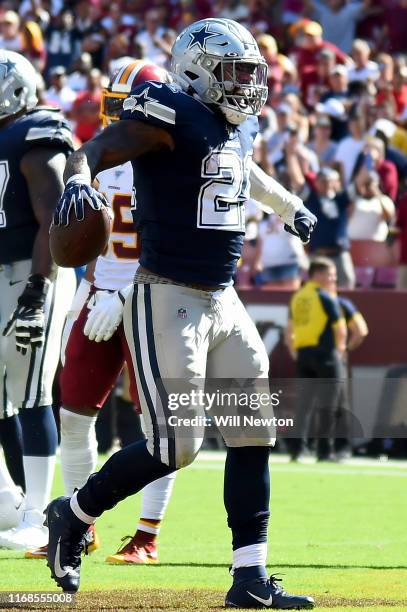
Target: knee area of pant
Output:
[(186, 452)]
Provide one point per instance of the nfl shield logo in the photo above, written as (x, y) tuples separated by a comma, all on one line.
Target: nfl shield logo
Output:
[(182, 313)]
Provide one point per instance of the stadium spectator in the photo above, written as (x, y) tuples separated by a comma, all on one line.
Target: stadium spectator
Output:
[(321, 143), (373, 158), (78, 77), (33, 44), (292, 11), (336, 111), (10, 37), (275, 65), (364, 68), (315, 83), (349, 148), (273, 147), (395, 19), (117, 53), (372, 212), (330, 237), (155, 40), (308, 46), (63, 41), (90, 31), (338, 19), (86, 108), (338, 84), (281, 256), (60, 94), (234, 9)]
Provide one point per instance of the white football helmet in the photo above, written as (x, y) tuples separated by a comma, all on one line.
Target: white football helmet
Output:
[(18, 82), (219, 60)]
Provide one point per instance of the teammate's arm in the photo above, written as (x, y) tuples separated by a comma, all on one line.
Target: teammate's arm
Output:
[(120, 142), (43, 170), (297, 219)]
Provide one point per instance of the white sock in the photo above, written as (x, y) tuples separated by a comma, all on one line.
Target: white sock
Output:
[(79, 513), (156, 496), (39, 473), (78, 449), (246, 556)]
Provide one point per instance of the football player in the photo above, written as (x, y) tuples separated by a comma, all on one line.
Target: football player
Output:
[(92, 347), (34, 144), (190, 144)]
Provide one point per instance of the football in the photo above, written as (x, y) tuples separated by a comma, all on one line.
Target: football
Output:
[(80, 242)]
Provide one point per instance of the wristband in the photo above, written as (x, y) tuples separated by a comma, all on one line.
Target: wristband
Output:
[(79, 298), (35, 291), (84, 179)]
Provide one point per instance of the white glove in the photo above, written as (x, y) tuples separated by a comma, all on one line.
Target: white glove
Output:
[(105, 313), (78, 302)]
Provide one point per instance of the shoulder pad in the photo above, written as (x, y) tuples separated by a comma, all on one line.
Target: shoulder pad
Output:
[(48, 126), (152, 101)]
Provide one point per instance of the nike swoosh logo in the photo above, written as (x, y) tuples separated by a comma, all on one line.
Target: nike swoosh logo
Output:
[(11, 283), (59, 572), (265, 602)]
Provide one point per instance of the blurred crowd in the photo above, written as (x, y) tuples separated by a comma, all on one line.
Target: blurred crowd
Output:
[(334, 129)]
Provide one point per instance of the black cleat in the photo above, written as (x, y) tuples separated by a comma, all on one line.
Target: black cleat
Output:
[(65, 545), (263, 592)]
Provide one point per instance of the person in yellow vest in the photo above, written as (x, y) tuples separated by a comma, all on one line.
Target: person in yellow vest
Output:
[(316, 337)]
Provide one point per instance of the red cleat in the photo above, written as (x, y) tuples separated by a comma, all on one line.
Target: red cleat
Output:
[(137, 551)]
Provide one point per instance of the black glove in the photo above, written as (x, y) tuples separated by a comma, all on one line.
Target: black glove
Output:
[(303, 226), (75, 196), (28, 318)]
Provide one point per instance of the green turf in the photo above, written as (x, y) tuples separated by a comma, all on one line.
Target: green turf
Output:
[(337, 533)]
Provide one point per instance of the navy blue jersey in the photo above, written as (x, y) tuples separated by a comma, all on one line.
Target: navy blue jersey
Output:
[(41, 127), (190, 201)]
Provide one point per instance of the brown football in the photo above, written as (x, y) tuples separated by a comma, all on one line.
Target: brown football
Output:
[(80, 242)]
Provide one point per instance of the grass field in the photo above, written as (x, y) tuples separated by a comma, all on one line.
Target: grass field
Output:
[(338, 532)]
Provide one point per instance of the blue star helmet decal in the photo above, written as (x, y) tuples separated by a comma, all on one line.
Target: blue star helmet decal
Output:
[(199, 37), (5, 68)]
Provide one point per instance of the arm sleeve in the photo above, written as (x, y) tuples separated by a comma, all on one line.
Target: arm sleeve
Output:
[(272, 195)]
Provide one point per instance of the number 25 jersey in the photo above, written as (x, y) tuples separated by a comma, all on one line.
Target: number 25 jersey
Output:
[(116, 267), (190, 201)]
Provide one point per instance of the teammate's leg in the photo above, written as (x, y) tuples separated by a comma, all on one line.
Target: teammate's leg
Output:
[(11, 439), (11, 500), (29, 387), (10, 428)]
